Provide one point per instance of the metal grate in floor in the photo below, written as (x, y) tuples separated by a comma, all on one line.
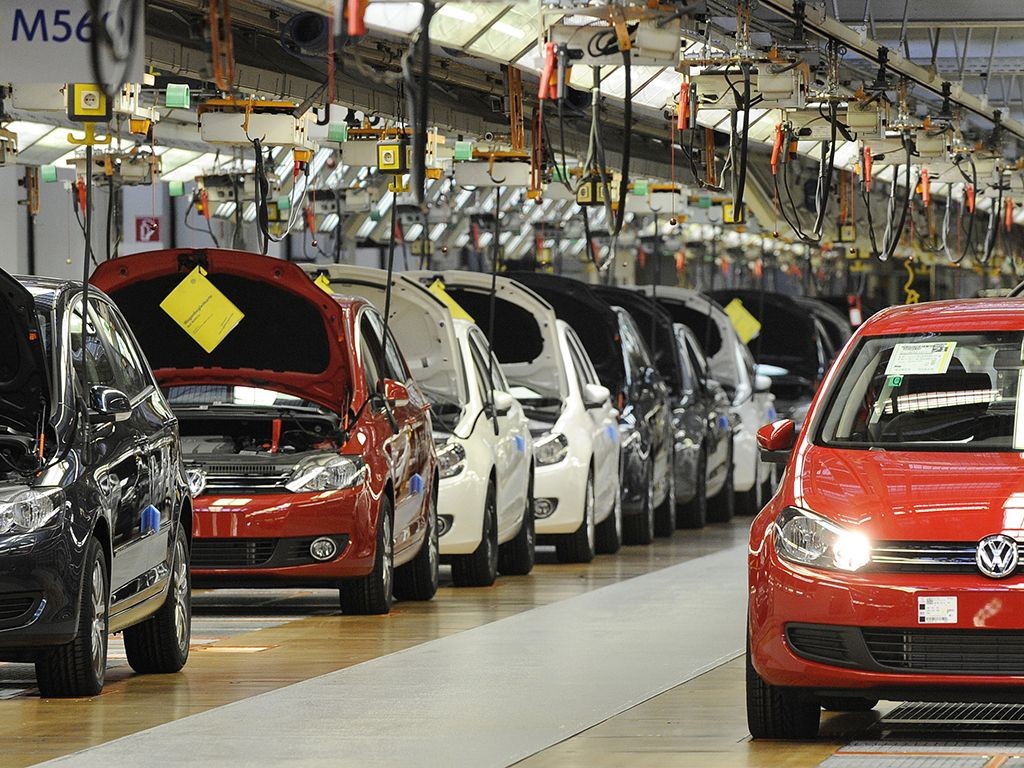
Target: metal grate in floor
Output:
[(963, 717), (905, 761)]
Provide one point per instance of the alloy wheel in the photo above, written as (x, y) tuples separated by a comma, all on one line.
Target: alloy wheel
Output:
[(99, 619)]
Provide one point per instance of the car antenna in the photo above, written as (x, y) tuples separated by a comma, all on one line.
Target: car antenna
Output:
[(491, 303)]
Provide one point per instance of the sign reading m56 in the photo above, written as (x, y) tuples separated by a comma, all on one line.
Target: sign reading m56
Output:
[(48, 41)]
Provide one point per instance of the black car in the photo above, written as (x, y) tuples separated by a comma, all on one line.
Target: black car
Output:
[(95, 509), (624, 365), (836, 325), (700, 445)]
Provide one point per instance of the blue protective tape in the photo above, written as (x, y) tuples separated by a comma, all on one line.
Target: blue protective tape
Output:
[(150, 520), (416, 484), (520, 443)]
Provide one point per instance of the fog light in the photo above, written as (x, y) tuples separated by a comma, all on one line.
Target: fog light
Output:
[(323, 549), (444, 524), (544, 508)]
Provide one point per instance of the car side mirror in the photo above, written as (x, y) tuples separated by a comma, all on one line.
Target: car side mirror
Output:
[(776, 441), (396, 393), (108, 405), (503, 402), (595, 395), (762, 383)]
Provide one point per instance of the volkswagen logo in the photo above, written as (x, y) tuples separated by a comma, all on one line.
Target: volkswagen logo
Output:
[(997, 556)]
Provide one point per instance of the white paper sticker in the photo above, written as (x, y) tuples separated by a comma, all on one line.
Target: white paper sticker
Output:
[(920, 358), (936, 610)]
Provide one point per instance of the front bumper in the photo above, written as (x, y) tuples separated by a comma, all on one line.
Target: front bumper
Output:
[(462, 498), (565, 484), (232, 535), (40, 585), (866, 634)]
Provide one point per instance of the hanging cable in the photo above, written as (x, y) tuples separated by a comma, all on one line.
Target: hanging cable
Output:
[(893, 230), (627, 137), (992, 232), (491, 301)]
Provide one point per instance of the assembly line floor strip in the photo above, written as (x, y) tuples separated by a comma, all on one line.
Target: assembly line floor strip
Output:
[(488, 696)]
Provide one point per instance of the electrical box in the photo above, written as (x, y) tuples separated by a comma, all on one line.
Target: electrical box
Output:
[(866, 122), (8, 147), (809, 124), (39, 97), (651, 45), (930, 146), (394, 157), (715, 87), (236, 124), (226, 188), (360, 154), (785, 90), (507, 173), (124, 168)]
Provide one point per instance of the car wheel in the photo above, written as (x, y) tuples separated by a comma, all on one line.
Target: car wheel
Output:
[(722, 507), (373, 594), (418, 579), (609, 530), (694, 513), (160, 643), (480, 568), (847, 704), (779, 713), (639, 528), (580, 546), (516, 557), (665, 514), (78, 668)]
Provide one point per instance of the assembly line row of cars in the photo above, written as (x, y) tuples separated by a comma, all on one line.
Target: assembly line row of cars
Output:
[(225, 418)]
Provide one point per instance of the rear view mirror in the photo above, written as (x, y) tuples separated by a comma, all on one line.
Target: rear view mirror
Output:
[(503, 402), (395, 393), (762, 383), (108, 405), (776, 440), (595, 395)]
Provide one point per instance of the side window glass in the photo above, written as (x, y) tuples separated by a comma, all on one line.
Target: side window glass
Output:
[(91, 353), (586, 366), (369, 351), (393, 359), (480, 364), (578, 368), (134, 378)]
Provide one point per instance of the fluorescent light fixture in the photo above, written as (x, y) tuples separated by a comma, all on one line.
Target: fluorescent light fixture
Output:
[(455, 12), (403, 18)]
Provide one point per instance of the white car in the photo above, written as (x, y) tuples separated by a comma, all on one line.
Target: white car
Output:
[(731, 365), (482, 436), (576, 453)]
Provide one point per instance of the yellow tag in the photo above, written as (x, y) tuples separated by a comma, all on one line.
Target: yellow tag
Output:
[(324, 283), (203, 312), (437, 288), (746, 325)]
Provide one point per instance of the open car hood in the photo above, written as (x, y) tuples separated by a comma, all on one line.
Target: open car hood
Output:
[(291, 338), (525, 337), (420, 321), (655, 326), (24, 390)]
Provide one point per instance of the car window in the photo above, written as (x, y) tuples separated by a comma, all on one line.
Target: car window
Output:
[(686, 365), (697, 359), (579, 369), (930, 392), (481, 366), (134, 378), (369, 352), (587, 366), (93, 354), (633, 347)]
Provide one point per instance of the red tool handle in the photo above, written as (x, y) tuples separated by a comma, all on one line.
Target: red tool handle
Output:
[(204, 203), (354, 11), (683, 117), (926, 188), (969, 197), (1009, 214), (544, 91), (777, 149), (868, 161)]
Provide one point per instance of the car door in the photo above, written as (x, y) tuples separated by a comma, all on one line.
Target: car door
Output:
[(516, 426), (115, 459), (604, 425)]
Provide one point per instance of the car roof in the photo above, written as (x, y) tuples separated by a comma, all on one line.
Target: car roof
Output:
[(948, 316)]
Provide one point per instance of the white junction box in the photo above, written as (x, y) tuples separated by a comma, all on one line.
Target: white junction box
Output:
[(273, 130), (513, 173)]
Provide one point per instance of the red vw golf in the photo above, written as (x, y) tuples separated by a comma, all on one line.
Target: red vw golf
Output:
[(888, 565), (315, 441)]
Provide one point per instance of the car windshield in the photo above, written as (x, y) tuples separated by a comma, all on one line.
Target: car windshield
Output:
[(206, 395), (954, 392), (445, 408)]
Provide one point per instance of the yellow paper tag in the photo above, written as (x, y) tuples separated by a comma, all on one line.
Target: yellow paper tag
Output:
[(203, 312), (437, 288), (746, 325), (324, 283)]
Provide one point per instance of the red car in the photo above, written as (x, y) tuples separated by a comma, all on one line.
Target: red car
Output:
[(888, 565), (315, 441)]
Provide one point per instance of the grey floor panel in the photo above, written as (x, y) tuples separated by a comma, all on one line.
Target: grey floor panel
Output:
[(944, 747), (489, 696), (901, 761)]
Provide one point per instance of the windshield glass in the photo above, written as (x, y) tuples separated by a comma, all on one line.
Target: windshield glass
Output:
[(955, 392), (234, 396), (445, 409)]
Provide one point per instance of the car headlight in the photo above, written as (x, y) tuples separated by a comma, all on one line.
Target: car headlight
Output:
[(28, 509), (809, 539), (451, 458), (550, 449), (326, 472)]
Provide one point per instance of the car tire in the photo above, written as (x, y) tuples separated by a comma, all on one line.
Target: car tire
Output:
[(694, 513), (779, 713), (722, 506), (160, 643), (516, 557), (480, 567), (639, 528), (847, 704), (373, 593), (609, 530), (665, 513), (581, 545), (78, 668), (418, 579)]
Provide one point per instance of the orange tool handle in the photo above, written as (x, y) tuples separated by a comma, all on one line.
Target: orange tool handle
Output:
[(544, 91), (1009, 214), (354, 11), (777, 149), (310, 219), (969, 197), (80, 193), (868, 161), (204, 204), (926, 188), (683, 118)]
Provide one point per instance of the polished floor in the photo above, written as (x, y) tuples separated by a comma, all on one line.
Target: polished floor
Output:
[(630, 660)]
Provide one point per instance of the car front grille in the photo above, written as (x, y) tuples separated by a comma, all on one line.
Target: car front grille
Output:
[(251, 477), (257, 553), (950, 651), (17, 608), (819, 643), (928, 557)]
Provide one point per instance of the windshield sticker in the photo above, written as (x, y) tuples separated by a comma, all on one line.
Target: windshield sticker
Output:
[(202, 311), (914, 358)]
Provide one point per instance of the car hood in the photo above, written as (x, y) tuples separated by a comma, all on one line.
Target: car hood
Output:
[(420, 321), (24, 391), (914, 496), (292, 337)]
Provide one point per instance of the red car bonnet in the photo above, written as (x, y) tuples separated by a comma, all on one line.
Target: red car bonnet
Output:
[(292, 338)]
